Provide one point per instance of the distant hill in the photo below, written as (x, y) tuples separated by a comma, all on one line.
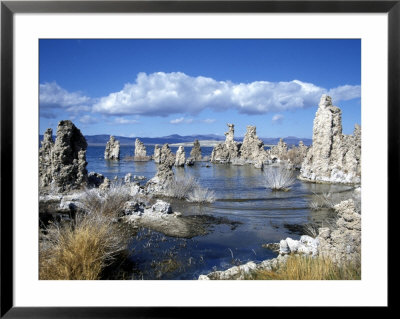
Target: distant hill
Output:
[(100, 140)]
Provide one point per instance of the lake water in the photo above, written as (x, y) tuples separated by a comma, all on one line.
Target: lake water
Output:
[(263, 216)]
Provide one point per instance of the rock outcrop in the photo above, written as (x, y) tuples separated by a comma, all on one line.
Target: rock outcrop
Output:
[(164, 174), (112, 149), (140, 151), (242, 271), (252, 149), (45, 170), (180, 157), (294, 156), (62, 165), (342, 244), (157, 154), (279, 152), (333, 157), (195, 153), (226, 152), (306, 245)]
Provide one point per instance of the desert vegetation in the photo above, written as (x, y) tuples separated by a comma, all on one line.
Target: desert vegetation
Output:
[(330, 200), (82, 248), (298, 267), (279, 179), (188, 188), (201, 195)]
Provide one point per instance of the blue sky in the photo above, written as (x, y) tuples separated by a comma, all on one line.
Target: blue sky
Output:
[(160, 87)]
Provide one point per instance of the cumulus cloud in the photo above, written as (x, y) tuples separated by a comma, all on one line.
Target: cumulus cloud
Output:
[(51, 95), (87, 119), (163, 94), (277, 118), (122, 120), (181, 120), (208, 121)]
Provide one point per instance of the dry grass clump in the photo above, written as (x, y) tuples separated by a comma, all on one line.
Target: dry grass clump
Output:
[(109, 202), (188, 188), (279, 179), (308, 268), (201, 195), (329, 200), (81, 249), (180, 187)]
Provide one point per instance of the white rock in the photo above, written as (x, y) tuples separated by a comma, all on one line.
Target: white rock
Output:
[(161, 207)]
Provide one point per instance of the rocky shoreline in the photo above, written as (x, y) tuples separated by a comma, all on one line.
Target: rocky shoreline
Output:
[(341, 245)]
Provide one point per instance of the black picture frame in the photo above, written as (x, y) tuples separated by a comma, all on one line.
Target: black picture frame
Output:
[(9, 8)]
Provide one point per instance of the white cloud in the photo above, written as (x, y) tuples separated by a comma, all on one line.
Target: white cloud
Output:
[(177, 121), (163, 94), (51, 95), (87, 119), (345, 92), (79, 108), (122, 120), (277, 119), (181, 120), (209, 121)]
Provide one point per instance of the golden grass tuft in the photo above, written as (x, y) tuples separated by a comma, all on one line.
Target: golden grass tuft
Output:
[(81, 249), (308, 268)]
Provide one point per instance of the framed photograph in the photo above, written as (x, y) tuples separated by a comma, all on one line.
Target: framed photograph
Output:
[(158, 156)]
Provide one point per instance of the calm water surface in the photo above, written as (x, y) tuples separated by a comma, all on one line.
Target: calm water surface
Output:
[(264, 216)]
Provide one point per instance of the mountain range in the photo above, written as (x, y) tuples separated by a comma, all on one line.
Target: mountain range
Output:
[(100, 140)]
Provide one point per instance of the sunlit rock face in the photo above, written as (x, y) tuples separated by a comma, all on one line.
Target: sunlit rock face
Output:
[(112, 150), (164, 174), (225, 152), (62, 165), (195, 153), (140, 151), (252, 148), (157, 154), (333, 157), (45, 169), (279, 152), (180, 157), (342, 244)]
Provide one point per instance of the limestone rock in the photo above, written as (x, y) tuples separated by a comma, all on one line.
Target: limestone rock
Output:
[(226, 152), (161, 207), (166, 155), (342, 244), (180, 157), (279, 152), (63, 164), (333, 157), (112, 150), (45, 170), (294, 156), (140, 151), (157, 154), (252, 148), (195, 153), (306, 245), (131, 208), (164, 174)]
